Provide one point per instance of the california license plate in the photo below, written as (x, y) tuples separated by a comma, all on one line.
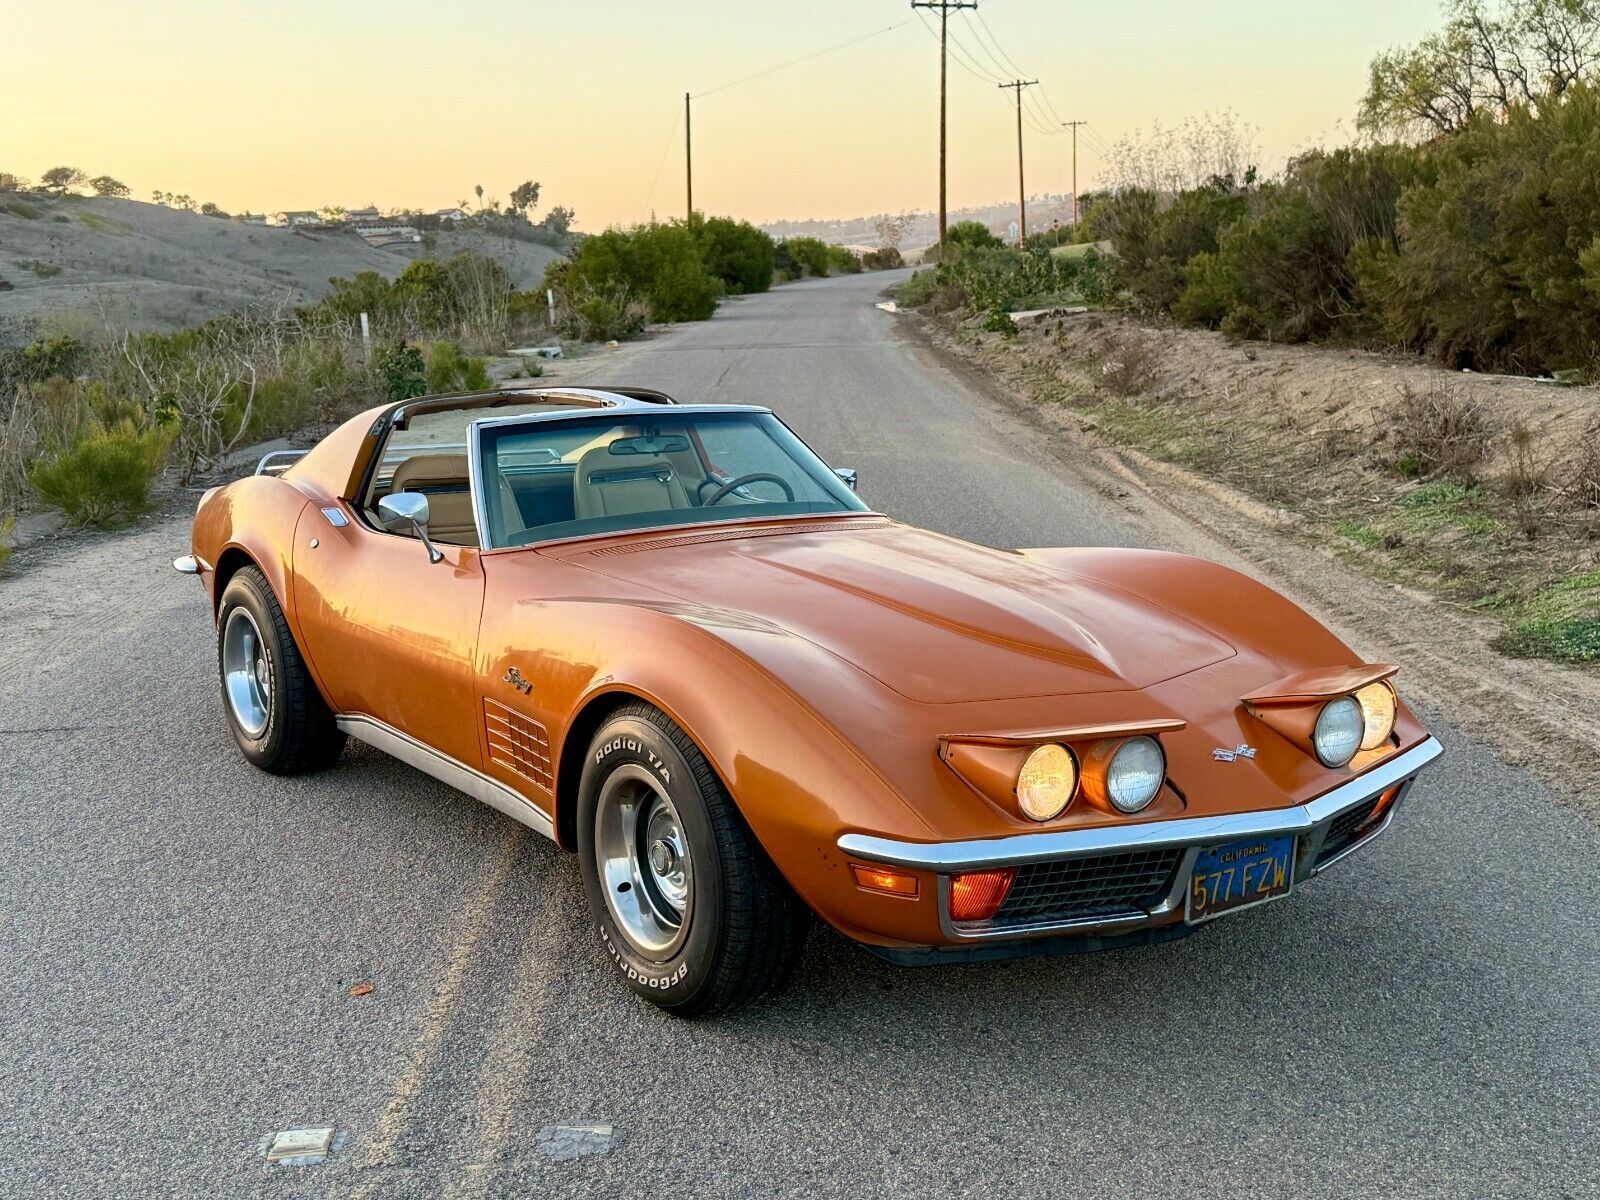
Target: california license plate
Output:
[(1238, 875)]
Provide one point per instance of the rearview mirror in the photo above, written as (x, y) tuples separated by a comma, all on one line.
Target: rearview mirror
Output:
[(848, 474), (407, 512)]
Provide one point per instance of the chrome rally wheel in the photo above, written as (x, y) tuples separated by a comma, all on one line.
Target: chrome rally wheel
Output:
[(643, 858), (246, 673)]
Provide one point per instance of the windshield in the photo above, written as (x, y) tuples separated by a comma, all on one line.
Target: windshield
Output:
[(609, 474)]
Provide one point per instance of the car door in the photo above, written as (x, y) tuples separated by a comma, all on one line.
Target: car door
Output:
[(391, 635)]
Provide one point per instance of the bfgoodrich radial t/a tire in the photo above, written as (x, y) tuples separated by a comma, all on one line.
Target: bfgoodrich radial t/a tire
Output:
[(277, 714), (690, 910)]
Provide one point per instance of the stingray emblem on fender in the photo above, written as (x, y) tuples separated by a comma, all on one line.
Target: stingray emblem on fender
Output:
[(1240, 751), (515, 678)]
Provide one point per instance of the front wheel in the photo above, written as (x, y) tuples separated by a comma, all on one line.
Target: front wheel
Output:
[(687, 904), (277, 714)]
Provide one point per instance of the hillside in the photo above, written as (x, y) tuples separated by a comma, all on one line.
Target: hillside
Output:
[(81, 260)]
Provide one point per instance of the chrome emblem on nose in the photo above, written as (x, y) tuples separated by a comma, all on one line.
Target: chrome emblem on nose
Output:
[(1242, 750), (515, 678)]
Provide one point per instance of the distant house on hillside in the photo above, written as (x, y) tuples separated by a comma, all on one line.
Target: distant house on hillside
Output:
[(451, 214), (381, 235), (361, 216), (297, 217), (250, 218)]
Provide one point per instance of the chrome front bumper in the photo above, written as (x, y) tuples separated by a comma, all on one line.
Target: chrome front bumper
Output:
[(1309, 823)]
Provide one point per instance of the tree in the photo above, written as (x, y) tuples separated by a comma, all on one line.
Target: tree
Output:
[(12, 183), (525, 197), (184, 201), (1488, 58), (478, 188), (61, 180), (890, 230), (209, 209), (973, 234), (104, 185), (558, 221)]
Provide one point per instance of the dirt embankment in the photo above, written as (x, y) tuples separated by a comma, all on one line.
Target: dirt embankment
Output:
[(1478, 569)]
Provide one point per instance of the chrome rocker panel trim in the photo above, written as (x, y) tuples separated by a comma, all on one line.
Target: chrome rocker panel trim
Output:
[(446, 770), (1310, 820)]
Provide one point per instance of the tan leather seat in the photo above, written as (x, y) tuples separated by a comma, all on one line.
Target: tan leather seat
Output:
[(442, 478), (609, 485)]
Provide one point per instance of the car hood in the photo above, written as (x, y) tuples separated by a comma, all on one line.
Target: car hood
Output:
[(938, 620)]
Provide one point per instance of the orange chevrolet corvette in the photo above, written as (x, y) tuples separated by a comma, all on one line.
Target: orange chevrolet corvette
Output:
[(670, 638)]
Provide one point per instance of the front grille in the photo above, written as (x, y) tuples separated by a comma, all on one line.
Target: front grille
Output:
[(1346, 829), (1103, 885)]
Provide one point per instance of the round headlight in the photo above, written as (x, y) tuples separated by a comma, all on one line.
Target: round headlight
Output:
[(1340, 728), (1135, 773), (1377, 710), (1047, 782)]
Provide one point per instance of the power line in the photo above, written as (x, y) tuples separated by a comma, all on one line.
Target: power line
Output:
[(665, 150), (962, 56), (794, 62)]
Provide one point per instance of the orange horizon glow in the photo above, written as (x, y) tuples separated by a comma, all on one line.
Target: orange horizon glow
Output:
[(407, 104)]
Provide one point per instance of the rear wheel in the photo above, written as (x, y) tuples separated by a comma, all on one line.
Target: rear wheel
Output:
[(690, 910), (277, 714)]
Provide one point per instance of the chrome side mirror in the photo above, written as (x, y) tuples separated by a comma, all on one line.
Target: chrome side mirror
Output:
[(848, 474), (407, 512)]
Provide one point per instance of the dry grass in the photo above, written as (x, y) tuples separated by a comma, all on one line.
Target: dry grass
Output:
[(1130, 369), (1435, 431)]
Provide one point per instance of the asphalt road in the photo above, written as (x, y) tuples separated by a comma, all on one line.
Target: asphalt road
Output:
[(178, 933)]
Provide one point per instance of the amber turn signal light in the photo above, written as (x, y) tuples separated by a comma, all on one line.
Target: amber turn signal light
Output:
[(978, 895), (885, 879)]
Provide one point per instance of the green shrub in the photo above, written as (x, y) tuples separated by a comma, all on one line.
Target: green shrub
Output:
[(970, 235), (450, 369), (785, 266), (810, 253), (403, 372), (843, 261), (104, 479), (886, 259), (736, 252), (999, 321), (660, 263), (6, 527)]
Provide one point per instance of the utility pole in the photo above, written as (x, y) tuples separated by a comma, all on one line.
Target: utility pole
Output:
[(1017, 85), (944, 7), (688, 159), (1073, 125)]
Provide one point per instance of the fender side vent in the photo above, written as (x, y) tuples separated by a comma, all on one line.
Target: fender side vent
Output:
[(518, 744)]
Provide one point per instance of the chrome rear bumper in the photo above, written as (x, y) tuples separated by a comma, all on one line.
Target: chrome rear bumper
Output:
[(1310, 823)]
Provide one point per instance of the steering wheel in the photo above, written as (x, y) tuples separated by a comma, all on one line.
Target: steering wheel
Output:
[(753, 477)]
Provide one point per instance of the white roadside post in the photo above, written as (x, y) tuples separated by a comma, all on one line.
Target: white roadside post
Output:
[(550, 299), (366, 338)]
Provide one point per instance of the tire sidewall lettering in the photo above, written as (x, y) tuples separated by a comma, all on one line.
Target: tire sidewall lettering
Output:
[(635, 747)]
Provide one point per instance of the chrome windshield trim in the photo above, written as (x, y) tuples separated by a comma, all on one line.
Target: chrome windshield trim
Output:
[(1024, 848), (447, 770)]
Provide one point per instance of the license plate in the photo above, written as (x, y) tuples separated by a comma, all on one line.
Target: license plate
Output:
[(1239, 875)]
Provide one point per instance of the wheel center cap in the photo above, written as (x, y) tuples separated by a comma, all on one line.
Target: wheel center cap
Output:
[(663, 857)]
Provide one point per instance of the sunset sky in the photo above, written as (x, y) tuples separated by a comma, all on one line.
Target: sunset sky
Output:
[(298, 104)]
